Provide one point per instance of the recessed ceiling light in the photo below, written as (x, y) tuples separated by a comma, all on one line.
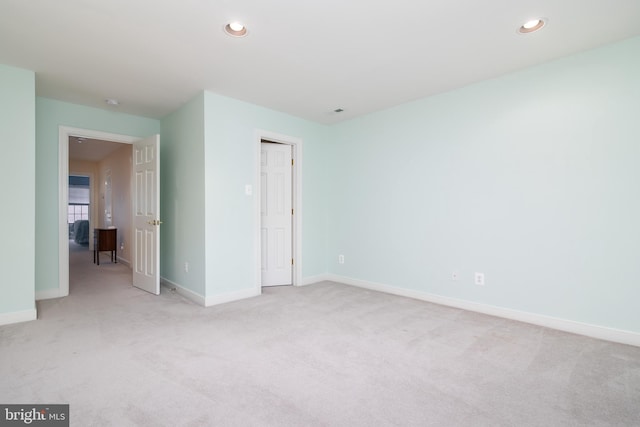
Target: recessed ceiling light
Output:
[(235, 29), (111, 101), (236, 26), (532, 25)]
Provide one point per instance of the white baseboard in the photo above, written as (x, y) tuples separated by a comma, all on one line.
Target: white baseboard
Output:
[(18, 316), (594, 331), (48, 294), (315, 279), (211, 300), (124, 262), (232, 296), (187, 293)]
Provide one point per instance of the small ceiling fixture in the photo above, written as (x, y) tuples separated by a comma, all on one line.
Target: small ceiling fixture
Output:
[(235, 29), (532, 25), (112, 101), (338, 110)]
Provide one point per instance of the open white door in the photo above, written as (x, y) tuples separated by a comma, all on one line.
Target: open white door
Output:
[(146, 214), (276, 214)]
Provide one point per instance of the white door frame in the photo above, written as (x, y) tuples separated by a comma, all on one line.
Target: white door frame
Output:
[(296, 177), (64, 132)]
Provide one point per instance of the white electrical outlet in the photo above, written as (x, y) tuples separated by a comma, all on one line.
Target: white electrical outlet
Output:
[(479, 279), (186, 267), (340, 259), (455, 276)]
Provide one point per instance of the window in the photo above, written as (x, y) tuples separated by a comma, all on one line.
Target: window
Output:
[(76, 212), (79, 198)]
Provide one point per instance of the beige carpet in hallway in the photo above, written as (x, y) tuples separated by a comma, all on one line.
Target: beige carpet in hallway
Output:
[(321, 355)]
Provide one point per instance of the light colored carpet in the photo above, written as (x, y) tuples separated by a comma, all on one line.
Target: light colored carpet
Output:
[(321, 355)]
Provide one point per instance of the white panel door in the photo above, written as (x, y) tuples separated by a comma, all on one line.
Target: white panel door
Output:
[(276, 214), (146, 214)]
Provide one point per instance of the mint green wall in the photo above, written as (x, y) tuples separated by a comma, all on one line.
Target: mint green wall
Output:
[(531, 178), (50, 114), (230, 156), (182, 201), (17, 170)]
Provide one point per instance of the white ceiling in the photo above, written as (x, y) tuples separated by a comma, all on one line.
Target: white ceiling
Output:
[(302, 57), (91, 150)]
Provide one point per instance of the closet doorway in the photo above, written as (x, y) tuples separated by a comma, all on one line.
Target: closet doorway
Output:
[(288, 155)]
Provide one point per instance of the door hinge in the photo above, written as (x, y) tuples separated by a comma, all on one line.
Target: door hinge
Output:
[(291, 211), (291, 261), (291, 162)]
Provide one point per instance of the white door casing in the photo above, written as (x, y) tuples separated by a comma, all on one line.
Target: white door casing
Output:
[(64, 133), (146, 214), (276, 214)]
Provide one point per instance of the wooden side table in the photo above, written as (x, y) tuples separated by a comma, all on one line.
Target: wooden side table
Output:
[(105, 239)]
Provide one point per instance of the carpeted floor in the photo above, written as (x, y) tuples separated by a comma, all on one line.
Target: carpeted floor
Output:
[(321, 355)]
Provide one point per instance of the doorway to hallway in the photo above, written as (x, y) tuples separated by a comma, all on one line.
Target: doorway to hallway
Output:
[(99, 204), (143, 214)]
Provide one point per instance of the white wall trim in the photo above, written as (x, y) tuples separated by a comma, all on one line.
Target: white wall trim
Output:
[(315, 279), (63, 198), (593, 331), (48, 294), (187, 293), (232, 296), (64, 132), (296, 148), (124, 261), (211, 300), (18, 316)]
